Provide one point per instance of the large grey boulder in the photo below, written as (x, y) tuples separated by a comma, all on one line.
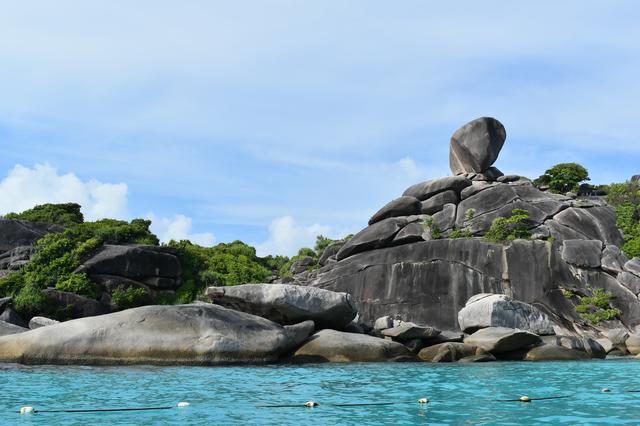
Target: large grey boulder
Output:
[(585, 344), (7, 329), (501, 339), (476, 145), (403, 206), (288, 304), (178, 334), (16, 258), (499, 310), (424, 190), (302, 265), (411, 233), (14, 233), (447, 352), (582, 253), (630, 281), (596, 223), (375, 236), (336, 346), (554, 353), (133, 262)]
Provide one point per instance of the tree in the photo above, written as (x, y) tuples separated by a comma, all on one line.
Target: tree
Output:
[(563, 177)]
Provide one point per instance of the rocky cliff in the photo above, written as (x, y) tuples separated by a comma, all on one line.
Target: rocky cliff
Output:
[(425, 254)]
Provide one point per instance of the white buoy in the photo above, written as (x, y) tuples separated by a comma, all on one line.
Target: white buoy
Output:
[(183, 404), (525, 399), (27, 410), (311, 404), (423, 401), (605, 390)]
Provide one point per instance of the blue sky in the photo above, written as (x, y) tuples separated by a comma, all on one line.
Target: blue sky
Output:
[(272, 120)]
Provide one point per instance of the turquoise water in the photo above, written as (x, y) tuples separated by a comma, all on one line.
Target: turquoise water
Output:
[(459, 394)]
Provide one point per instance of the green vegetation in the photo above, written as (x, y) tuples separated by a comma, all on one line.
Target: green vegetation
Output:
[(431, 227), (509, 228), (563, 178), (60, 214), (460, 233), (79, 284), (59, 254), (222, 265), (131, 297), (597, 308), (625, 197)]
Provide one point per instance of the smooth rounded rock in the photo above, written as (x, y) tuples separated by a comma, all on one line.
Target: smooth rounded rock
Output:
[(447, 352), (501, 339), (335, 346), (177, 334), (476, 145), (403, 206), (554, 353)]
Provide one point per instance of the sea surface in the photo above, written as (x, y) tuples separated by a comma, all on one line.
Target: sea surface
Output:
[(458, 394)]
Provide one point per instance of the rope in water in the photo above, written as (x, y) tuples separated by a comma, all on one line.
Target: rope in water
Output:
[(30, 410)]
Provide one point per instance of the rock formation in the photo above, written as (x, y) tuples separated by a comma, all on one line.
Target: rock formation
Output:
[(424, 266), (181, 334)]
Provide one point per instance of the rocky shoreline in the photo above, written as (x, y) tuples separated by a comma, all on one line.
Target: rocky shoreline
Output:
[(474, 267)]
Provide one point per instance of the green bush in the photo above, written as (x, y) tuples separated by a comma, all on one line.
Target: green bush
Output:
[(79, 284), (625, 197), (460, 233), (597, 308), (131, 297), (60, 214), (509, 228), (429, 225), (563, 177)]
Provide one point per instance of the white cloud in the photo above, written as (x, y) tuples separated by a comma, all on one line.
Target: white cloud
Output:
[(286, 237), (178, 228), (23, 188)]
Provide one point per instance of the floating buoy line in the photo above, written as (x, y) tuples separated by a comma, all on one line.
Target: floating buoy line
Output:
[(33, 410), (308, 404)]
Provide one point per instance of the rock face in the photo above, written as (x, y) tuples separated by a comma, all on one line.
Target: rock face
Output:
[(582, 253), (501, 339), (499, 310), (15, 233), (288, 304), (336, 346), (375, 236), (476, 145), (180, 334)]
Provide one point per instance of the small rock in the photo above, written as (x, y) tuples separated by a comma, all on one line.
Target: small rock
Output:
[(372, 237), (447, 352), (7, 329), (302, 265), (613, 259), (408, 330), (478, 358), (633, 266), (630, 281), (508, 178), (12, 317), (37, 322)]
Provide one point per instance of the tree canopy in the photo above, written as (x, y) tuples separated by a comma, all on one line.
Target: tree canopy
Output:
[(563, 178)]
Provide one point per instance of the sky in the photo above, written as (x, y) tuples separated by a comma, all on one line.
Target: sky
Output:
[(273, 121)]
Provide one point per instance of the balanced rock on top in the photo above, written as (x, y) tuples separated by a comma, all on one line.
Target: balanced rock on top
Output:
[(476, 145)]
